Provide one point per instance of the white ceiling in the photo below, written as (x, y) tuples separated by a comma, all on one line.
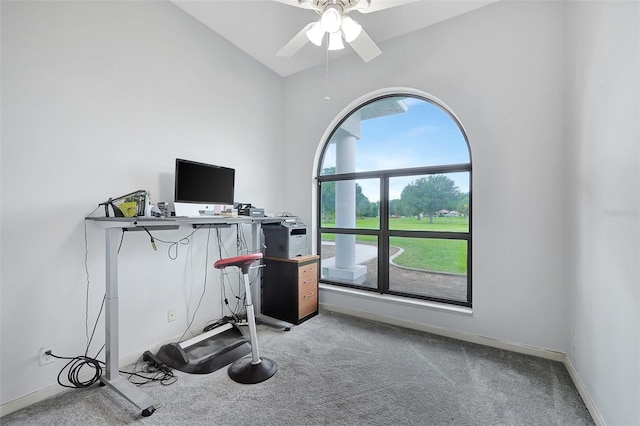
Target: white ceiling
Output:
[(261, 27)]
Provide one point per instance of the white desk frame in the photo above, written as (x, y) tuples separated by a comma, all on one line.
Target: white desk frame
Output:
[(113, 227)]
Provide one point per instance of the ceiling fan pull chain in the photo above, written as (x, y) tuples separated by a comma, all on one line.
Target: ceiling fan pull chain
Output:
[(327, 97)]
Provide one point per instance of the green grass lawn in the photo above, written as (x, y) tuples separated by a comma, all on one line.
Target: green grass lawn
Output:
[(422, 253), (451, 224), (432, 255)]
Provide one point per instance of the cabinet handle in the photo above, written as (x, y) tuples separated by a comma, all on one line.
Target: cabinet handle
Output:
[(307, 295)]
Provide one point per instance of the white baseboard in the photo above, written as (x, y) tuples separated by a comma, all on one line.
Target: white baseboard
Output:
[(31, 398), (486, 341), (454, 334), (584, 393)]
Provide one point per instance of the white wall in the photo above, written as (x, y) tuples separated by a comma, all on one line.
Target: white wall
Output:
[(98, 99), (500, 69), (603, 134), (548, 93)]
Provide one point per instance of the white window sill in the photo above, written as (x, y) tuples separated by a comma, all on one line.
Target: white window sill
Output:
[(404, 301)]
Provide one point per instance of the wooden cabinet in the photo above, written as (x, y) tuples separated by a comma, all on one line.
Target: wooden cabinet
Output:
[(290, 288)]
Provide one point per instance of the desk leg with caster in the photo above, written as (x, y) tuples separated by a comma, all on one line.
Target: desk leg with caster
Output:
[(273, 322), (112, 377)]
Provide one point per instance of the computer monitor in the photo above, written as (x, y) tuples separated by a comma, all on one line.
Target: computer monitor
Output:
[(202, 189)]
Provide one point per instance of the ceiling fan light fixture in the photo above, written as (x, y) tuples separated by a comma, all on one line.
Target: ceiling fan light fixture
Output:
[(315, 34), (351, 29), (335, 41), (331, 19)]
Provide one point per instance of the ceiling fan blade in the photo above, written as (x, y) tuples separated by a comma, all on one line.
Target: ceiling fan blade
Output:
[(365, 47), (289, 2), (304, 4), (295, 43), (376, 5)]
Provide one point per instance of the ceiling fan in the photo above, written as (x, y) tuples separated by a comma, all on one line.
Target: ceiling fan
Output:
[(336, 25)]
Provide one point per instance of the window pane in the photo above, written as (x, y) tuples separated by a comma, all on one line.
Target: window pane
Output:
[(394, 133), (429, 267), (349, 259), (344, 204), (430, 202)]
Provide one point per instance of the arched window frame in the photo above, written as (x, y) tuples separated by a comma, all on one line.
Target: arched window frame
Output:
[(383, 233)]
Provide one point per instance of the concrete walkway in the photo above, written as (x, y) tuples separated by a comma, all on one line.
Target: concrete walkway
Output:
[(364, 253)]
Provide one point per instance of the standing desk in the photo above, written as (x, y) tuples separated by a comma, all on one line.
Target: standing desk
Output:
[(113, 226)]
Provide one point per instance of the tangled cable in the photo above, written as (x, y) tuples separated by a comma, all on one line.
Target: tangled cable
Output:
[(75, 366)]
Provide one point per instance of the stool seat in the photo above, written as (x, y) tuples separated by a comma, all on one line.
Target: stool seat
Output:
[(254, 369), (239, 261)]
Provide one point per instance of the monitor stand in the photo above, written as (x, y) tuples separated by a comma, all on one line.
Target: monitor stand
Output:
[(197, 209)]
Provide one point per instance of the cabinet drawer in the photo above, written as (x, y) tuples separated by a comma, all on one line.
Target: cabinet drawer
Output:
[(307, 290), (308, 273), (308, 301)]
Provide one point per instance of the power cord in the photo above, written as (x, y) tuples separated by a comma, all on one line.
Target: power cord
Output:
[(204, 286), (153, 242), (153, 371), (172, 249), (75, 366)]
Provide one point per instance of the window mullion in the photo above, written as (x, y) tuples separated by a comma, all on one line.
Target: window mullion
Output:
[(444, 235), (383, 240)]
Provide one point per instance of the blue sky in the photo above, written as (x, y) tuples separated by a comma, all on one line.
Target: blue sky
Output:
[(424, 135)]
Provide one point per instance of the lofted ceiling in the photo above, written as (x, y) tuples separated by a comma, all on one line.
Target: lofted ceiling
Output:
[(261, 27)]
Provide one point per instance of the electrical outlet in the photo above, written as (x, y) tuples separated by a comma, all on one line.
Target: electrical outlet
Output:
[(171, 315), (44, 357)]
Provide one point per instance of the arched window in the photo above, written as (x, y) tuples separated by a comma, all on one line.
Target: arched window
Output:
[(394, 201)]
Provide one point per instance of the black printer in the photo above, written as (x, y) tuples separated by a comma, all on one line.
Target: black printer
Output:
[(285, 239)]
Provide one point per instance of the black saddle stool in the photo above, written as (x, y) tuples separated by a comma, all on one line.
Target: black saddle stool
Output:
[(253, 369)]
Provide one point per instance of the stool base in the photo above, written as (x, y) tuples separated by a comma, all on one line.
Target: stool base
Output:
[(243, 371)]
